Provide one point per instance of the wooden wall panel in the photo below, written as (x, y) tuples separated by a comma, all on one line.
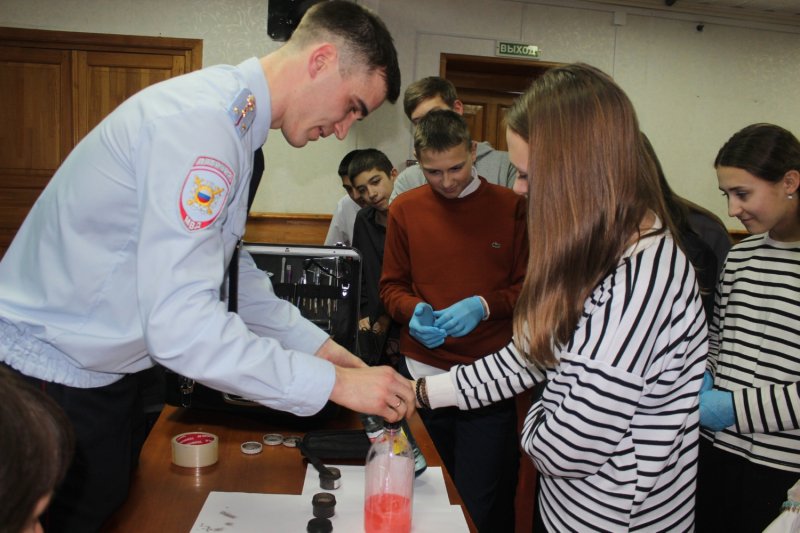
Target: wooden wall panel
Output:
[(287, 228), (311, 228)]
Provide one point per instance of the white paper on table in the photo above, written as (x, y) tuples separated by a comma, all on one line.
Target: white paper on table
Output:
[(429, 487), (240, 512)]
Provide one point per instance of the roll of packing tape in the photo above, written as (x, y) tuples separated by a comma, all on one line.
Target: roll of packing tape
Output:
[(195, 449)]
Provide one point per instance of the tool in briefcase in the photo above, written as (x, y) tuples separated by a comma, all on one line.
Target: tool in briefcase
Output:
[(324, 283)]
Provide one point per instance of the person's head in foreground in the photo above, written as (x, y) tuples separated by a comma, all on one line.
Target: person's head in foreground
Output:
[(36, 444)]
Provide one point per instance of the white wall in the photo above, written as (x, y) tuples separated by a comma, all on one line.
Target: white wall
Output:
[(692, 89)]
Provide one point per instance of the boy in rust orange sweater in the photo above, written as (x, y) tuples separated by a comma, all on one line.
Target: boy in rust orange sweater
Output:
[(456, 250)]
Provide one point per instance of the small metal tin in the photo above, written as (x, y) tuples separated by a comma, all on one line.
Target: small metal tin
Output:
[(324, 504), (291, 441), (273, 439), (251, 447), (330, 481)]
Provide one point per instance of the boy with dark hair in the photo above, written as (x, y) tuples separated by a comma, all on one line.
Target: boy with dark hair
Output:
[(341, 228), (455, 259), (373, 178)]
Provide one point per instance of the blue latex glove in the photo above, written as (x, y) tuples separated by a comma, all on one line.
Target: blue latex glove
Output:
[(716, 409), (421, 327), (461, 317), (708, 382)]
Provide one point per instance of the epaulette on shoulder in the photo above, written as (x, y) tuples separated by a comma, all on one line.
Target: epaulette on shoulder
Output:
[(243, 111)]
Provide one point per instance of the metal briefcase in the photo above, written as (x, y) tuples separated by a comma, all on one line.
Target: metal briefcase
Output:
[(324, 283)]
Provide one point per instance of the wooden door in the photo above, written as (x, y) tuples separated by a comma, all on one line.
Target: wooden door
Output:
[(55, 87), (36, 120), (109, 78), (485, 112), (488, 86)]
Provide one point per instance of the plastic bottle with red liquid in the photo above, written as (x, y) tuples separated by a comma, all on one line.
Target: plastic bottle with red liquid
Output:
[(373, 427), (389, 486)]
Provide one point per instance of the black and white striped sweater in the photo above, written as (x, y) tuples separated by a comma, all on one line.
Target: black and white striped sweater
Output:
[(754, 351), (615, 433)]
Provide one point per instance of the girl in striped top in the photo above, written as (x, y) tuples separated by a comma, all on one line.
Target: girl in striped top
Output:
[(611, 319), (750, 403)]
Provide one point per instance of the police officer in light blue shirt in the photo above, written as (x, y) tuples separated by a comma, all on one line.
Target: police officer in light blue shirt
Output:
[(122, 260)]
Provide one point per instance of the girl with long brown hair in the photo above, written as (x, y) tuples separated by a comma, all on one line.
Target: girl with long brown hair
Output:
[(609, 318)]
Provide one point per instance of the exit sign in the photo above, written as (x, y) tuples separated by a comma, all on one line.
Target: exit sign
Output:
[(517, 50)]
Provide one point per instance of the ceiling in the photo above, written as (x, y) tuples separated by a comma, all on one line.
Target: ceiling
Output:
[(776, 6), (785, 12)]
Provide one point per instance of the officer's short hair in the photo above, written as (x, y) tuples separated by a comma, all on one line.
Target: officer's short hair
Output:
[(439, 130), (428, 88), (362, 36), (368, 159)]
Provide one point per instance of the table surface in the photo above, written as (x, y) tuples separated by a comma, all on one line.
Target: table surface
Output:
[(166, 497)]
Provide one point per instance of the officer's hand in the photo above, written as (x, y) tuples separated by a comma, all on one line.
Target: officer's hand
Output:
[(376, 390), (338, 355), (461, 317), (708, 382), (716, 410), (421, 327)]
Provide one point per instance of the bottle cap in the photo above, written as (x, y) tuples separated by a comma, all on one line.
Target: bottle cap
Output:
[(391, 425), (324, 504), (331, 480), (319, 525), (272, 439), (291, 441), (251, 447)]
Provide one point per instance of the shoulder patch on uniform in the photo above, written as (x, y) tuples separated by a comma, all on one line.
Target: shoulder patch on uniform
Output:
[(204, 192), (243, 111)]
